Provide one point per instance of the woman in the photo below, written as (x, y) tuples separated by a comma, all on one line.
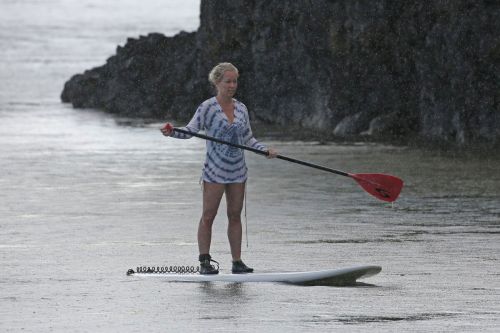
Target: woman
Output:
[(225, 170)]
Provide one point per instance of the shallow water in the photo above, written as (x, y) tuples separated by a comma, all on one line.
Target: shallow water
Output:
[(86, 196)]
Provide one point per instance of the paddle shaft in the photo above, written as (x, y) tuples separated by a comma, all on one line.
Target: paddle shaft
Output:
[(260, 152)]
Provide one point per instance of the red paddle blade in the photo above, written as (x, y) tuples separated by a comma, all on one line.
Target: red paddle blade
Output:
[(382, 187)]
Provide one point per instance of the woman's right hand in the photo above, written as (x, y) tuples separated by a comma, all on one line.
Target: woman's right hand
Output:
[(271, 153), (168, 129)]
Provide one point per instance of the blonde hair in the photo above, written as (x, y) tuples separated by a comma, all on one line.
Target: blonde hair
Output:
[(218, 71)]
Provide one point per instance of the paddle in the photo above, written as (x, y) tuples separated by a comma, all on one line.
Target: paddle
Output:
[(381, 186)]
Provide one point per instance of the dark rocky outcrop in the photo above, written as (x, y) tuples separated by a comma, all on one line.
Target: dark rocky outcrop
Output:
[(382, 69)]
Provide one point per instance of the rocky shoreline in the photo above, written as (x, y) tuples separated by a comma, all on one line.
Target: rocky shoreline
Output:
[(346, 70)]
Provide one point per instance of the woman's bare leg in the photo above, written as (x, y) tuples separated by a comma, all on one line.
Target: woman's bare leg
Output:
[(235, 194), (212, 194)]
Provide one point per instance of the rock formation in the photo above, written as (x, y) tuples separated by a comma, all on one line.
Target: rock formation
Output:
[(382, 69)]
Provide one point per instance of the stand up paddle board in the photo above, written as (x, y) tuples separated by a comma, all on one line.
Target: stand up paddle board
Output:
[(330, 277)]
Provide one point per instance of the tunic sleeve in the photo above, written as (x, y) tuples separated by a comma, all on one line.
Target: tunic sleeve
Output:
[(196, 124), (249, 139)]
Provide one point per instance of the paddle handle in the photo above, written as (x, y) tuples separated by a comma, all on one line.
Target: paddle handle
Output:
[(206, 137), (312, 165), (265, 153)]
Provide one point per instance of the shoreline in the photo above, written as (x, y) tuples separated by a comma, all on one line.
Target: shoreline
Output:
[(272, 132)]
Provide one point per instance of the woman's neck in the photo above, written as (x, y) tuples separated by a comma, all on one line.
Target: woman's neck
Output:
[(224, 100)]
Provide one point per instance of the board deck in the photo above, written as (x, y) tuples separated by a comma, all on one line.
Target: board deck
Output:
[(334, 277)]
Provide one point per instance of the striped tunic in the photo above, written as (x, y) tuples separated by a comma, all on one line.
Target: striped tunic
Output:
[(223, 164)]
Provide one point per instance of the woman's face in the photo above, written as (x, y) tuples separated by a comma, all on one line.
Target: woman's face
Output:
[(228, 85)]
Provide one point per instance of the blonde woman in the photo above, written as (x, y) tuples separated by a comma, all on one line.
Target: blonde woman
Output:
[(225, 171)]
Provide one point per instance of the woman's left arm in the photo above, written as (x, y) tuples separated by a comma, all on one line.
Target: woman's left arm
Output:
[(251, 141)]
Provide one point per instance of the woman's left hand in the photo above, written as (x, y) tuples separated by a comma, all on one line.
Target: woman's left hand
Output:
[(271, 153)]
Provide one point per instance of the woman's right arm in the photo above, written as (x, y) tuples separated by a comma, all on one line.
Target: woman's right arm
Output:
[(195, 125)]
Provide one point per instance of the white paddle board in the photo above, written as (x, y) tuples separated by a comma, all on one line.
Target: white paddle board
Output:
[(334, 277)]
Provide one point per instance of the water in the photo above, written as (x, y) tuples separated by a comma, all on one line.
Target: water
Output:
[(85, 196)]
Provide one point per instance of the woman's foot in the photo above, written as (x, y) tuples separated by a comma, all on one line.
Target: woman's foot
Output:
[(239, 267), (206, 267)]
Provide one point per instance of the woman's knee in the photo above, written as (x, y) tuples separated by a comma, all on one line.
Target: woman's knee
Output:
[(234, 216), (208, 217)]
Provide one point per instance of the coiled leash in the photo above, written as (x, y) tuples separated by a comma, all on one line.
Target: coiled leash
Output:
[(165, 270)]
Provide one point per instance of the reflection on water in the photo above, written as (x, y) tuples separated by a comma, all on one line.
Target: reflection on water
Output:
[(217, 292)]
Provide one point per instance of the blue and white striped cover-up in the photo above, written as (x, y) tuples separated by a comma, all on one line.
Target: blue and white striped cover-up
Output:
[(223, 164)]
